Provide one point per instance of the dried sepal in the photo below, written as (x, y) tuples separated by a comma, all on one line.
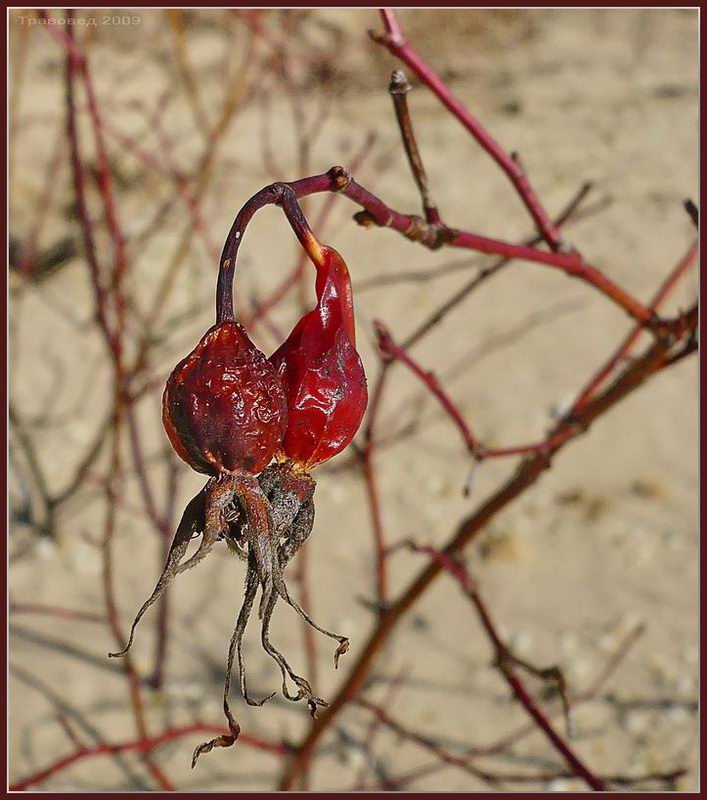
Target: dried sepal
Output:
[(224, 740), (193, 523)]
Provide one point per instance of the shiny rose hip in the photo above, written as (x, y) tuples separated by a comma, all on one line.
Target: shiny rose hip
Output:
[(321, 370)]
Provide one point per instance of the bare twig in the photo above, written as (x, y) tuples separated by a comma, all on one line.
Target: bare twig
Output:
[(395, 41)]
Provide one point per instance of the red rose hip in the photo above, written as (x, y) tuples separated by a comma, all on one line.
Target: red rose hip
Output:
[(321, 370), (224, 407)]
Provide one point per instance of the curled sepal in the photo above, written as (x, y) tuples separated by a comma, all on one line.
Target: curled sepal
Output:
[(290, 493), (208, 512), (224, 740), (193, 522)]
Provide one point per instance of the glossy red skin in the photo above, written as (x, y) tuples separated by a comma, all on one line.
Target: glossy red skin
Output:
[(224, 407), (322, 373)]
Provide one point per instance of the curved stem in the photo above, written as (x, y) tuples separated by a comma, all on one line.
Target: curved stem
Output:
[(285, 195), (300, 226), (377, 213), (224, 284)]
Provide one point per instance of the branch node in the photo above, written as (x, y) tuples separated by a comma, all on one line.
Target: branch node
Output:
[(386, 39), (364, 219), (399, 83), (340, 179), (417, 230)]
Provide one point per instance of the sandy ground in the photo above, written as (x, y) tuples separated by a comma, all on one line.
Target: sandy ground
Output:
[(605, 541)]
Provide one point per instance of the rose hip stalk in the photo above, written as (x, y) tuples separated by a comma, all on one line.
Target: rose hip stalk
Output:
[(225, 410), (325, 388), (322, 373)]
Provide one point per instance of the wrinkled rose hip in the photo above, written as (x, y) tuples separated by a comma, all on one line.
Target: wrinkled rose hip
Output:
[(224, 406)]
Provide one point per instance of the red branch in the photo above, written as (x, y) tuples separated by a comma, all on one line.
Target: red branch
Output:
[(626, 346), (459, 572), (142, 746), (376, 212), (394, 351), (396, 43), (657, 357)]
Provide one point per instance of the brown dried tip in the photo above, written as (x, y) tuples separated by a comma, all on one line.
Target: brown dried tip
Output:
[(340, 178), (399, 84), (224, 740), (364, 219), (340, 650), (192, 523), (288, 495)]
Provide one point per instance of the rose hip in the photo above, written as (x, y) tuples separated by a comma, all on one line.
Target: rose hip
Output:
[(325, 385), (225, 413), (228, 410), (224, 407), (320, 368)]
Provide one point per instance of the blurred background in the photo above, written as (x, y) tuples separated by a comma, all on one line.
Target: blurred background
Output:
[(200, 109)]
